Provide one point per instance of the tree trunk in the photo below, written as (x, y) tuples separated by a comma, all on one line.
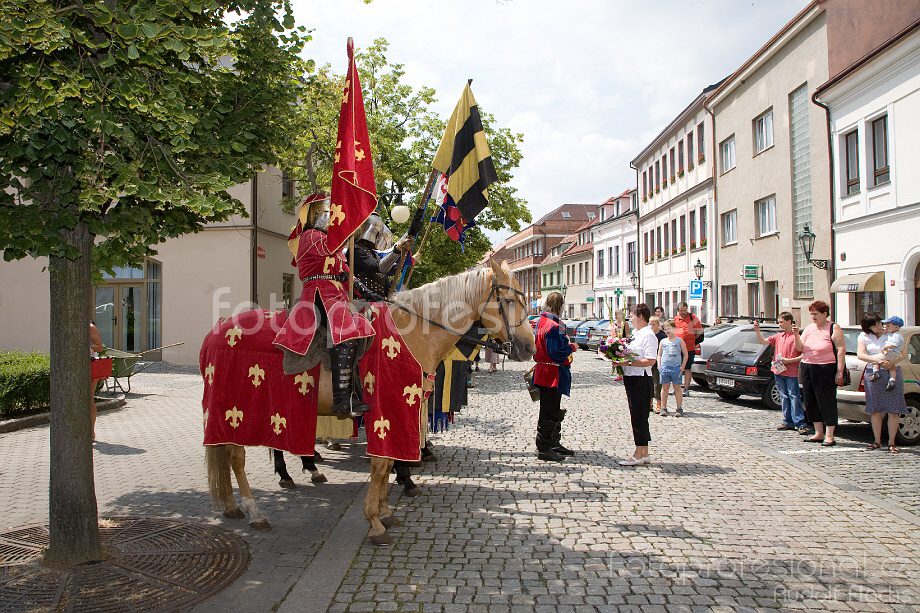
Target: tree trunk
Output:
[(73, 518)]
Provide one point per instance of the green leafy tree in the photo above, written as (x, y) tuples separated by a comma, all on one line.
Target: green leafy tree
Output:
[(405, 133), (122, 123)]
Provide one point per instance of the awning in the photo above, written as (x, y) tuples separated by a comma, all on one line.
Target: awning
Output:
[(862, 282)]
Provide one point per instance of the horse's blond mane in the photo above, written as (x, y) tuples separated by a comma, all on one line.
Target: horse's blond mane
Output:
[(466, 287)]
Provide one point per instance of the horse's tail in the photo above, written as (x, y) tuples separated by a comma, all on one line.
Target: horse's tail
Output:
[(217, 458)]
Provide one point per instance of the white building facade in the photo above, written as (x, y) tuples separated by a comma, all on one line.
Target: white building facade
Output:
[(616, 255), (874, 109), (676, 212)]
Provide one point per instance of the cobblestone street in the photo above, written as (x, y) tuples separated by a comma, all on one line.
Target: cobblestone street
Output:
[(731, 513)]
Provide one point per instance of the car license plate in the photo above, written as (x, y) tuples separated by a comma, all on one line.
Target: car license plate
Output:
[(722, 382)]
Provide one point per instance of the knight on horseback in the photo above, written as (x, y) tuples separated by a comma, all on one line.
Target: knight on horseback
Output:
[(376, 258), (323, 311)]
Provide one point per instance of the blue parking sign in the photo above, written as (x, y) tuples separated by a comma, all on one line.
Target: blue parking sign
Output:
[(696, 289)]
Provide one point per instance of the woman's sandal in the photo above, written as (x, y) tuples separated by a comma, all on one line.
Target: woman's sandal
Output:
[(893, 449), (873, 446)]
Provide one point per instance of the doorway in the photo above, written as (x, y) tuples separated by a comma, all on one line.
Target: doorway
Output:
[(119, 316), (771, 300), (917, 295)]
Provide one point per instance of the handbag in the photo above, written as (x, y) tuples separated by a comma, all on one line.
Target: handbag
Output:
[(531, 388), (846, 371)]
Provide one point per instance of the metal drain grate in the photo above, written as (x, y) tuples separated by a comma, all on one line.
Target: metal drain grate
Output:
[(154, 564)]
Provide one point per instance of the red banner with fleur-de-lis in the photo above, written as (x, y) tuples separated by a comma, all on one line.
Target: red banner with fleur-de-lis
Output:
[(392, 382), (248, 400), (354, 193)]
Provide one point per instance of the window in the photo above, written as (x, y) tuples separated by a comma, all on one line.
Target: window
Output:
[(610, 264), (616, 260), (287, 185), (664, 169), (729, 300), (851, 159), (692, 229), (690, 159), (673, 166), (600, 263), (644, 185), (763, 132), (634, 199), (631, 257), (658, 240), (680, 156), (673, 235), (766, 216), (657, 174), (730, 227), (880, 150), (704, 235), (287, 290), (664, 230), (566, 215), (728, 153), (701, 141), (800, 158), (683, 232), (645, 244)]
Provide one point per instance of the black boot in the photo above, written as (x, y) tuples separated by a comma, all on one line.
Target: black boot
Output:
[(345, 401), (545, 443), (557, 440), (404, 478)]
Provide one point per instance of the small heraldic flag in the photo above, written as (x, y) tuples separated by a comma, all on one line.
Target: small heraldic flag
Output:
[(464, 157), (354, 193)]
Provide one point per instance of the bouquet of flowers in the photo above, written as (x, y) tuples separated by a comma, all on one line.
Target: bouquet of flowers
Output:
[(616, 350)]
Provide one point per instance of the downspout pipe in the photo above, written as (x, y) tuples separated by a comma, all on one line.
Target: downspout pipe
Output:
[(254, 243), (715, 214), (832, 263)]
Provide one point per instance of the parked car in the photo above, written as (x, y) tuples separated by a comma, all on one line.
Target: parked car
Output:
[(715, 337), (598, 334), (583, 331), (851, 400), (741, 366), (570, 326)]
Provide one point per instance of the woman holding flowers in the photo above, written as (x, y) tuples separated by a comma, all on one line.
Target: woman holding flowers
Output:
[(552, 375), (637, 378)]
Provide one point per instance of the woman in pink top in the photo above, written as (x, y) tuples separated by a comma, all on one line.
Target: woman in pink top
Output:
[(823, 360)]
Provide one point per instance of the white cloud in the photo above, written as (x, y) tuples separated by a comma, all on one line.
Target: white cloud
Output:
[(588, 83)]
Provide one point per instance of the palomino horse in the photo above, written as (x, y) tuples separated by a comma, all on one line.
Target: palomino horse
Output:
[(431, 319)]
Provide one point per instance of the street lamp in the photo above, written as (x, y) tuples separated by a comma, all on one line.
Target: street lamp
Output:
[(634, 279), (563, 290), (698, 269), (807, 240)]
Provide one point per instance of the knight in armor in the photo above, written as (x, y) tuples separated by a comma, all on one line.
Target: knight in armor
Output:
[(324, 310), (376, 259)]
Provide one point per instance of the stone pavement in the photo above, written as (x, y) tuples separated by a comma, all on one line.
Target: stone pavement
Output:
[(732, 514)]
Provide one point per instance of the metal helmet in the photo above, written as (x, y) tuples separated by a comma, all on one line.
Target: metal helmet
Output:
[(376, 232)]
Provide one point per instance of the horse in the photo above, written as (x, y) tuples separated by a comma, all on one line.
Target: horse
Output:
[(431, 319)]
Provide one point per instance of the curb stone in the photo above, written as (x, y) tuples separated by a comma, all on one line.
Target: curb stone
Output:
[(32, 421)]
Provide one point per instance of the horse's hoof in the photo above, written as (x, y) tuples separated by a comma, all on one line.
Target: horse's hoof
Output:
[(335, 446), (381, 539), (317, 457), (262, 524), (287, 484), (318, 478), (390, 521), (234, 514)]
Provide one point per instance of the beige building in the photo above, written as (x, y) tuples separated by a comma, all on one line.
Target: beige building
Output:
[(178, 294), (676, 211), (578, 274), (770, 151)]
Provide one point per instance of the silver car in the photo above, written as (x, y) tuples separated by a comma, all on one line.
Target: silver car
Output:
[(715, 337)]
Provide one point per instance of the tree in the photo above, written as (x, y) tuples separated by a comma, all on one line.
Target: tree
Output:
[(405, 134), (122, 124)]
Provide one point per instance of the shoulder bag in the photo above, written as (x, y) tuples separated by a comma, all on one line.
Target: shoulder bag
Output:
[(846, 371)]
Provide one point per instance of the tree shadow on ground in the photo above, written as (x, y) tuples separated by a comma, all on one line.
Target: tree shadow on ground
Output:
[(116, 449)]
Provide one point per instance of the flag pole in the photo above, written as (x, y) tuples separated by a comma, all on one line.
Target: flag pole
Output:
[(426, 198)]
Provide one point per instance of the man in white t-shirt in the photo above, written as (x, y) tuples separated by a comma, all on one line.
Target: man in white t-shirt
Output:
[(637, 378)]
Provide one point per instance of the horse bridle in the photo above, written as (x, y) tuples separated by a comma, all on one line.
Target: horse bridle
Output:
[(502, 348)]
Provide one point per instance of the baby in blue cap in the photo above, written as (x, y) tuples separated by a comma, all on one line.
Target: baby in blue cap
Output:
[(892, 345)]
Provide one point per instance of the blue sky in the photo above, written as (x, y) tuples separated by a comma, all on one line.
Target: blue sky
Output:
[(589, 83)]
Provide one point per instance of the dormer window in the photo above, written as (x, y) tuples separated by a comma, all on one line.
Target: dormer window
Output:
[(566, 215), (591, 215)]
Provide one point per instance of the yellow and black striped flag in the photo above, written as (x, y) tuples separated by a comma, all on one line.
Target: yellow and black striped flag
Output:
[(465, 159)]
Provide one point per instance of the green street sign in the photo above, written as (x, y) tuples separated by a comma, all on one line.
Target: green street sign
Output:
[(589, 299), (751, 272)]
